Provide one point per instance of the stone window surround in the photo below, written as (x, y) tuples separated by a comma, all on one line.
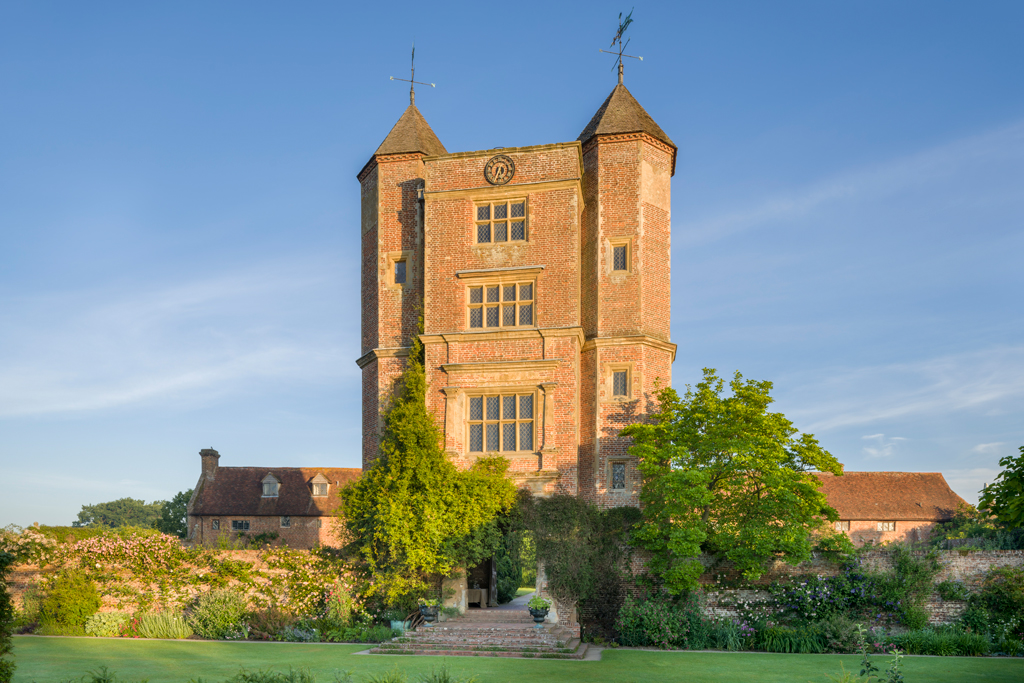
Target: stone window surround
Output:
[(485, 392), (608, 381), (502, 198), (625, 490), (885, 526), (390, 258), (215, 524), (612, 243), (239, 525), (286, 521), (842, 525), (457, 409), (484, 304), (501, 276)]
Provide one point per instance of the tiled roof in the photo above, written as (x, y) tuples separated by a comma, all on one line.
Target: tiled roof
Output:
[(890, 496), (412, 133), (621, 113), (239, 491)]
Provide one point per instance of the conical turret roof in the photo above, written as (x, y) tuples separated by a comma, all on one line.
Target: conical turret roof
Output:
[(621, 113), (412, 133)]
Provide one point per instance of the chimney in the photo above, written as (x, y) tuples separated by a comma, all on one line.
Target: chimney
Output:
[(210, 459)]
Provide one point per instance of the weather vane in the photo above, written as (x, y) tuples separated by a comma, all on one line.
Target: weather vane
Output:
[(623, 25), (412, 78)]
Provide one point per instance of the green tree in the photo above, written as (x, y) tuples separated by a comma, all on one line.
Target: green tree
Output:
[(118, 513), (1004, 497), (174, 515), (6, 620), (722, 475), (413, 517)]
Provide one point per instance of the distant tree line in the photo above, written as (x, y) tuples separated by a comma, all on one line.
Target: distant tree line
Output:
[(167, 516)]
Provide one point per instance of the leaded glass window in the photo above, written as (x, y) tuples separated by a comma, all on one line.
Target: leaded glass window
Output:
[(620, 257), (399, 272), (286, 522), (504, 305), (319, 489), (618, 475), (501, 423), (620, 383), (498, 222)]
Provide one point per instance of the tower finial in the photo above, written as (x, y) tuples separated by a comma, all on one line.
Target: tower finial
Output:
[(412, 79), (623, 25)]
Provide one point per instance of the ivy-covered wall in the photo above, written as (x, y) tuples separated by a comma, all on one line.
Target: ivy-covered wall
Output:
[(144, 573), (727, 594)]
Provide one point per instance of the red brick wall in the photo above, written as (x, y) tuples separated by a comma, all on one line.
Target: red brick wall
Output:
[(304, 532)]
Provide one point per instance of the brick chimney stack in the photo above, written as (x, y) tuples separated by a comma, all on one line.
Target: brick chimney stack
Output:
[(211, 459)]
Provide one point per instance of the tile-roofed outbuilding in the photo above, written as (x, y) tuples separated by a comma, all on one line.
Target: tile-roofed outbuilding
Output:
[(923, 496), (238, 491)]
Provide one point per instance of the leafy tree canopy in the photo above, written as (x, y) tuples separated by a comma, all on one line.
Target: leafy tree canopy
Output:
[(1004, 497), (118, 513), (723, 475), (174, 515), (413, 517)]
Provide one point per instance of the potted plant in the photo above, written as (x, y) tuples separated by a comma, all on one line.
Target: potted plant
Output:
[(539, 608), (429, 608), (396, 617)]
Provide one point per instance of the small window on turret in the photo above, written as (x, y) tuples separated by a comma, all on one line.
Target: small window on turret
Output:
[(400, 272)]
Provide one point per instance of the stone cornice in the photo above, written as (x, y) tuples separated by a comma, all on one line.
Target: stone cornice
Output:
[(643, 339), (386, 158), (516, 271), (626, 137), (496, 335), (501, 191), (374, 354), (501, 366)]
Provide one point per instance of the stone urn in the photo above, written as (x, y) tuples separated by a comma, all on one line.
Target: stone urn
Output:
[(429, 613), (539, 615)]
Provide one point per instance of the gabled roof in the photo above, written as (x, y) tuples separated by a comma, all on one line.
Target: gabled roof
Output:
[(412, 133), (890, 496), (621, 113), (239, 491)]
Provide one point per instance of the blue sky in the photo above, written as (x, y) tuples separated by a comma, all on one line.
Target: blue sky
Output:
[(179, 211)]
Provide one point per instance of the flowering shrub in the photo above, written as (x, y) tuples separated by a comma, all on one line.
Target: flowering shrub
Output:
[(105, 624), (26, 545), (220, 615), (654, 621)]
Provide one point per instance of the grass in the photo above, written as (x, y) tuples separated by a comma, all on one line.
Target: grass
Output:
[(525, 590), (46, 660)]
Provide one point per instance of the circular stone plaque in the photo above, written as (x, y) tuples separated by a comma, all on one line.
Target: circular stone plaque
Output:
[(499, 170)]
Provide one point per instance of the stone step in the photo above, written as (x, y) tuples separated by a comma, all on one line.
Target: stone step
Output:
[(579, 652)]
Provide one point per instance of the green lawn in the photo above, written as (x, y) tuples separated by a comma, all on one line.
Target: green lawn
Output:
[(58, 659)]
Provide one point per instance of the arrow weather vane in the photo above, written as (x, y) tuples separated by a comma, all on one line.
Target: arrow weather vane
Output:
[(623, 25), (412, 79)]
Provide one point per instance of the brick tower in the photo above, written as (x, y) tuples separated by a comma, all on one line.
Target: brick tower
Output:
[(628, 162), (543, 276), (392, 261)]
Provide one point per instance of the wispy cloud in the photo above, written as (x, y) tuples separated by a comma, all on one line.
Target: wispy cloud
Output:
[(986, 448), (989, 380), (868, 184), (193, 340), (881, 447)]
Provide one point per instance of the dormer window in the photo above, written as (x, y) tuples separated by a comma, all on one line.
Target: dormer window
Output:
[(320, 486), (271, 486)]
